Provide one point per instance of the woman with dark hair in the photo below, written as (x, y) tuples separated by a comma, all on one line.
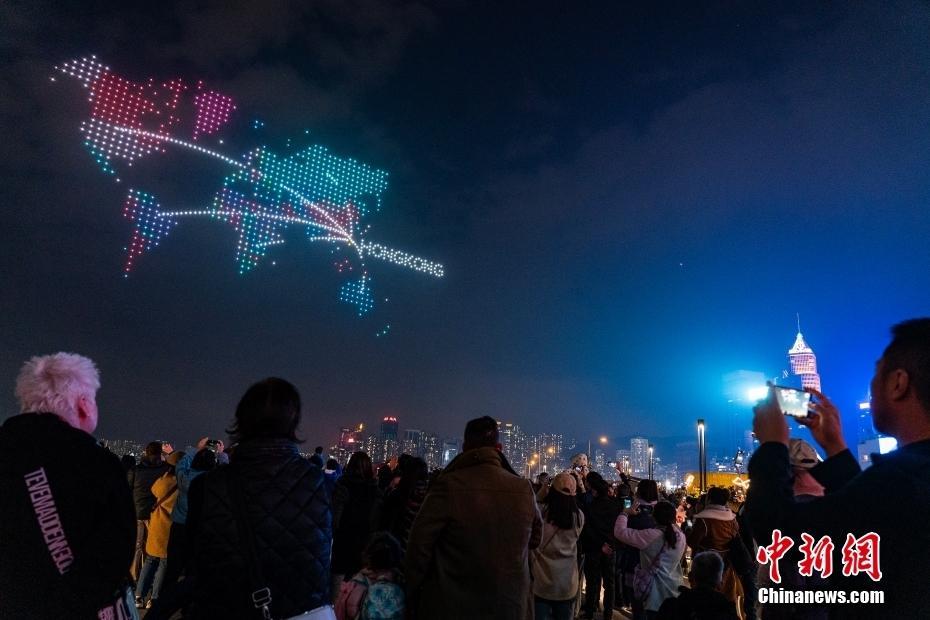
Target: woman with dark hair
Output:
[(661, 548), (262, 525), (645, 498), (356, 501), (402, 503), (554, 564)]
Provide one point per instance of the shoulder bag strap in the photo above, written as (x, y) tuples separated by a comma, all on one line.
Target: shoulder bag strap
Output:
[(165, 497), (261, 594)]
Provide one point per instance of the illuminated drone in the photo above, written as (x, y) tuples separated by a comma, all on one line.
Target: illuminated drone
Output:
[(263, 196)]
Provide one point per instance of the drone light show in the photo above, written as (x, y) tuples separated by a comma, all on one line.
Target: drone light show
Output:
[(264, 193)]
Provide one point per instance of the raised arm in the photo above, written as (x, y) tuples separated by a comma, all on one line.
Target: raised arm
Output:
[(634, 538)]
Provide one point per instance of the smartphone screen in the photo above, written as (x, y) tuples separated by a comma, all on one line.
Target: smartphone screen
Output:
[(627, 502), (792, 401)]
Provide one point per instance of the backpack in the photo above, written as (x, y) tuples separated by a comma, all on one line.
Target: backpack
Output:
[(384, 601), (370, 600)]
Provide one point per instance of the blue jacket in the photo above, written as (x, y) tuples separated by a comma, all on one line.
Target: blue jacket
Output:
[(185, 476)]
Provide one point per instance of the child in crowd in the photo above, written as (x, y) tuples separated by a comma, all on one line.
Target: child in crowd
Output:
[(376, 592)]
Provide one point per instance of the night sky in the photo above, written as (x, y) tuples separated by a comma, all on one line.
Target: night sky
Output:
[(629, 201)]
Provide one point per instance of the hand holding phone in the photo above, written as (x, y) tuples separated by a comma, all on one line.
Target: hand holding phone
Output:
[(792, 401), (825, 425)]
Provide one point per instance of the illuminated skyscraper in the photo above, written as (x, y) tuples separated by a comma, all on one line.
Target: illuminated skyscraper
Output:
[(639, 456), (389, 428), (804, 362)]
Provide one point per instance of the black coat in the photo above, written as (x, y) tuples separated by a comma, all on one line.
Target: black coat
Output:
[(56, 473), (141, 478), (891, 498), (289, 513), (629, 556), (698, 604), (355, 516), (600, 516)]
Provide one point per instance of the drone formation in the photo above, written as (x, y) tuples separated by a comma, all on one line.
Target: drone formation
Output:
[(263, 195)]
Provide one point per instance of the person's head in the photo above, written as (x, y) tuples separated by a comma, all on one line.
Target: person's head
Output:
[(580, 461), (174, 458), (596, 483), (624, 490), (318, 450), (332, 465), (64, 384), (664, 514), (154, 450), (718, 496), (901, 385), (707, 570), (204, 460), (542, 479), (803, 457), (414, 469), (382, 552), (128, 461), (481, 433), (268, 409), (647, 491), (359, 466), (561, 504)]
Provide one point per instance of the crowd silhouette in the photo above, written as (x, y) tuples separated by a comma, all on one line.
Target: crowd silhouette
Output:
[(253, 529)]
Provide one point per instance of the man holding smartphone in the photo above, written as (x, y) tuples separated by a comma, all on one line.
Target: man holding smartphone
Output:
[(900, 392)]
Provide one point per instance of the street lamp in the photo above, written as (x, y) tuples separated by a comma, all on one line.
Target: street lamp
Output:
[(702, 457)]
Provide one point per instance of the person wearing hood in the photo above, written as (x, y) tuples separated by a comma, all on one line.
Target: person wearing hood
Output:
[(468, 551), (715, 529), (356, 504)]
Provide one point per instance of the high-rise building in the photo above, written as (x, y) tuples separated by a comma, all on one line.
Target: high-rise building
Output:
[(639, 456), (431, 450), (350, 440), (804, 362), (870, 440), (389, 428), (513, 444), (412, 442), (450, 448)]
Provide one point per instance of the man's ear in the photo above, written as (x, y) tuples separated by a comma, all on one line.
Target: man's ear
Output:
[(81, 407), (897, 384)]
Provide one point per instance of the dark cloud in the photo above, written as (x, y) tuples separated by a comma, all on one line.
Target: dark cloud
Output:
[(630, 201)]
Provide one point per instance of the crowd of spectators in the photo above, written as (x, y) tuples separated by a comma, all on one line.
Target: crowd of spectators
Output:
[(256, 530)]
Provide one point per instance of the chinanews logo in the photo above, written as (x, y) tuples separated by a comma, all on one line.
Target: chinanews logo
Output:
[(860, 555)]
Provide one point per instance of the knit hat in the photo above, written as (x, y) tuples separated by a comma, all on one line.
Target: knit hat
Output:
[(802, 455), (565, 484)]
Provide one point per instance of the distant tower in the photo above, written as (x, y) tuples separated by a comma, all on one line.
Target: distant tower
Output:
[(804, 362)]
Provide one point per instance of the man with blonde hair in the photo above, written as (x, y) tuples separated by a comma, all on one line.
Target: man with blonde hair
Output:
[(67, 523)]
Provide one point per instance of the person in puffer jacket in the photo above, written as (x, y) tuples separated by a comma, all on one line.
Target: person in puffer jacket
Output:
[(285, 508)]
